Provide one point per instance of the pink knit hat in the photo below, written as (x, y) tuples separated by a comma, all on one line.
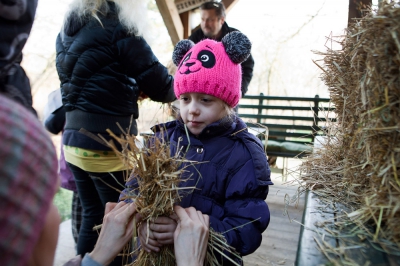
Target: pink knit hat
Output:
[(211, 67), (28, 181)]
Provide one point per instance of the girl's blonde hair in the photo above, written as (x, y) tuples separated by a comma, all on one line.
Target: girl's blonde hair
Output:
[(132, 14), (229, 110), (230, 114)]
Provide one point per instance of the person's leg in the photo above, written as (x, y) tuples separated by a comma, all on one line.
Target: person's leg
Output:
[(109, 187), (92, 210), (76, 216)]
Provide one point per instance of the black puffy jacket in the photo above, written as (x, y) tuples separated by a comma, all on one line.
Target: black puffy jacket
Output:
[(102, 70)]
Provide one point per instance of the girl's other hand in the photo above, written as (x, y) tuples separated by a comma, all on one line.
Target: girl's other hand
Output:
[(148, 243), (163, 230)]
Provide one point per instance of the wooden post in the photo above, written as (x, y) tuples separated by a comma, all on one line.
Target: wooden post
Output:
[(355, 9), (315, 123), (260, 104), (185, 18), (171, 18), (229, 4)]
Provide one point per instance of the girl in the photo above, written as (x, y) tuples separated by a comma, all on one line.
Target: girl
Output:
[(232, 183)]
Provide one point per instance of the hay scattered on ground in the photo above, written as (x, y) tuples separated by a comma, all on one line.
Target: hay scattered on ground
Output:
[(359, 165)]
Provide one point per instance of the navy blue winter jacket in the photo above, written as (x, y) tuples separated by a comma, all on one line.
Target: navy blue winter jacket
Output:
[(234, 180)]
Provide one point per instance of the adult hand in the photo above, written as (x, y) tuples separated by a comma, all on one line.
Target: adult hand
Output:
[(116, 230), (191, 236), (161, 232)]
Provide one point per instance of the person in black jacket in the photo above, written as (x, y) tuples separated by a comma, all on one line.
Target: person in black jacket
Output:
[(54, 121), (213, 26), (104, 64)]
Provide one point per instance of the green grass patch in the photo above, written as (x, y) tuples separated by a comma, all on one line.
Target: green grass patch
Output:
[(63, 201)]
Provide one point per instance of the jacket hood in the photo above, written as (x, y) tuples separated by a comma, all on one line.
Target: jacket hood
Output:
[(73, 24)]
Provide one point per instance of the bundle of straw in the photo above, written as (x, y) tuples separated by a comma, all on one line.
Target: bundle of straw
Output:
[(158, 175), (359, 165)]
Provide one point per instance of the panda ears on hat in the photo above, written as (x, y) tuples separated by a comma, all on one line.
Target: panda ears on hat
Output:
[(181, 48), (237, 47)]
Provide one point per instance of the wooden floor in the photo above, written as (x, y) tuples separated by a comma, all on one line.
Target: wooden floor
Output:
[(279, 243)]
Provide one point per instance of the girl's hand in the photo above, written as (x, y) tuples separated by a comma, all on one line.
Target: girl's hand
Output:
[(161, 232), (191, 236)]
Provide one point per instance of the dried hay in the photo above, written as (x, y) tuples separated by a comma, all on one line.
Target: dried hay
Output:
[(359, 165), (158, 176)]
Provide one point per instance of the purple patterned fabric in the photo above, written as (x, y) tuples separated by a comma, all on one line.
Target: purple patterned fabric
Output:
[(67, 178), (28, 181)]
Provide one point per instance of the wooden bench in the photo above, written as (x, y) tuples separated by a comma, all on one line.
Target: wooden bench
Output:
[(292, 122)]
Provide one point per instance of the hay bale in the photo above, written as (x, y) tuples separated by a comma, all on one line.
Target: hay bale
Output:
[(359, 166)]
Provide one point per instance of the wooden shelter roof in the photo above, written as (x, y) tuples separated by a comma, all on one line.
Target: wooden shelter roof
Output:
[(176, 14)]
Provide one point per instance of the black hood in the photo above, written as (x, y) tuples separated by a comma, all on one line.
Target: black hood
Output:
[(16, 19), (73, 24)]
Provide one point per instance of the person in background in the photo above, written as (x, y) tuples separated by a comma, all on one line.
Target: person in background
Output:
[(103, 64), (231, 175), (54, 121), (16, 19), (213, 26), (29, 219)]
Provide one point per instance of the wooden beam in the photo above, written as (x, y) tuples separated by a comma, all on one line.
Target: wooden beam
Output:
[(171, 18), (355, 9), (185, 18), (229, 4), (187, 5)]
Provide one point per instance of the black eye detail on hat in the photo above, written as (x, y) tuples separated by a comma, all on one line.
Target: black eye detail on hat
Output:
[(185, 59), (206, 58)]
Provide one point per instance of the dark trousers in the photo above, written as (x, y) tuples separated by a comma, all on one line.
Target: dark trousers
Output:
[(76, 216), (95, 190)]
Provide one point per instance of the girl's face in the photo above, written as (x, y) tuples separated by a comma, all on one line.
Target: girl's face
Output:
[(198, 110)]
